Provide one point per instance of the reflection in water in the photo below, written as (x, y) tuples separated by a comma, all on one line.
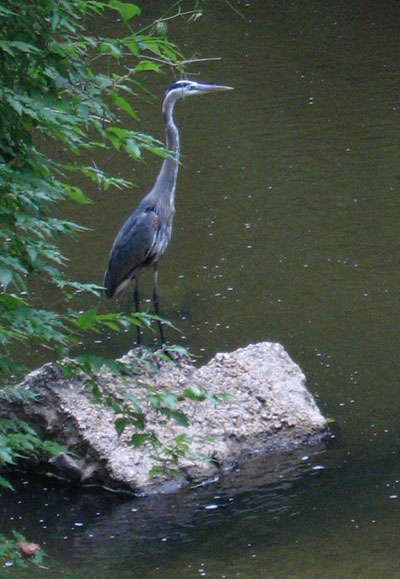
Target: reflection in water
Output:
[(286, 229), (139, 531), (305, 517)]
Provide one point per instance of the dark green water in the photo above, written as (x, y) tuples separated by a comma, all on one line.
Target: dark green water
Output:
[(286, 230)]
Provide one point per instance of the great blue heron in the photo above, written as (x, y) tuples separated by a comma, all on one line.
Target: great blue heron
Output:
[(144, 236)]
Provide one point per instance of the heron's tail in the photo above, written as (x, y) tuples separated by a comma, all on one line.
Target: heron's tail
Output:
[(109, 286), (114, 285)]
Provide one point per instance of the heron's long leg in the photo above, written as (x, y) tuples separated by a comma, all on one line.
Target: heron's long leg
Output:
[(155, 301), (137, 308)]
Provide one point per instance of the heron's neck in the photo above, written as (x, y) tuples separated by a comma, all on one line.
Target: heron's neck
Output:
[(165, 184)]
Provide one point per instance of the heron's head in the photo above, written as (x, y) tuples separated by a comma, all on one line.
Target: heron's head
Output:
[(184, 88)]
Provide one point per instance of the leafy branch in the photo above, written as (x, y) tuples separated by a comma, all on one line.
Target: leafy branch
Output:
[(66, 93)]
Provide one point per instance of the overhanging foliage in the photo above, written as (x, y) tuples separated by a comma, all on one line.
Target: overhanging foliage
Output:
[(55, 104), (53, 99)]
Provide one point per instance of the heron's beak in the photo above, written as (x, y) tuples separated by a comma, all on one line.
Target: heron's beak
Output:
[(213, 88)]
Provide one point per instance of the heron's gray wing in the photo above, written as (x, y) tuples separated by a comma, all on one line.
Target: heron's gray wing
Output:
[(132, 249)]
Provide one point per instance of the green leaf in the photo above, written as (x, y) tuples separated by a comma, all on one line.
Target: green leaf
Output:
[(193, 392), (88, 319), (131, 147), (6, 12), (147, 65), (132, 44), (120, 425), (111, 47), (180, 418), (138, 439), (5, 484), (6, 277), (53, 448), (126, 9), (76, 194), (6, 456), (123, 105), (6, 47), (169, 399), (156, 470), (24, 47)]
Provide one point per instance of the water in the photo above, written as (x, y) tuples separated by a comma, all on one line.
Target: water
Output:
[(286, 230)]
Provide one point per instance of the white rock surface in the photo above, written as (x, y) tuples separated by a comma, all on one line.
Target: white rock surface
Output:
[(267, 407)]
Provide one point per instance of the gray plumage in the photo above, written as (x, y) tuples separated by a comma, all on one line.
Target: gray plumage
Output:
[(144, 237)]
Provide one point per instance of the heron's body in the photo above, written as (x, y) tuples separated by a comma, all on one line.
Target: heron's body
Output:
[(139, 244), (145, 235)]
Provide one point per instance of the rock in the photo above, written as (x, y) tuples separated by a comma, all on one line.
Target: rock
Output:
[(264, 406)]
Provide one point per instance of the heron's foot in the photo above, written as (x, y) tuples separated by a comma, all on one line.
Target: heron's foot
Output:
[(141, 351)]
